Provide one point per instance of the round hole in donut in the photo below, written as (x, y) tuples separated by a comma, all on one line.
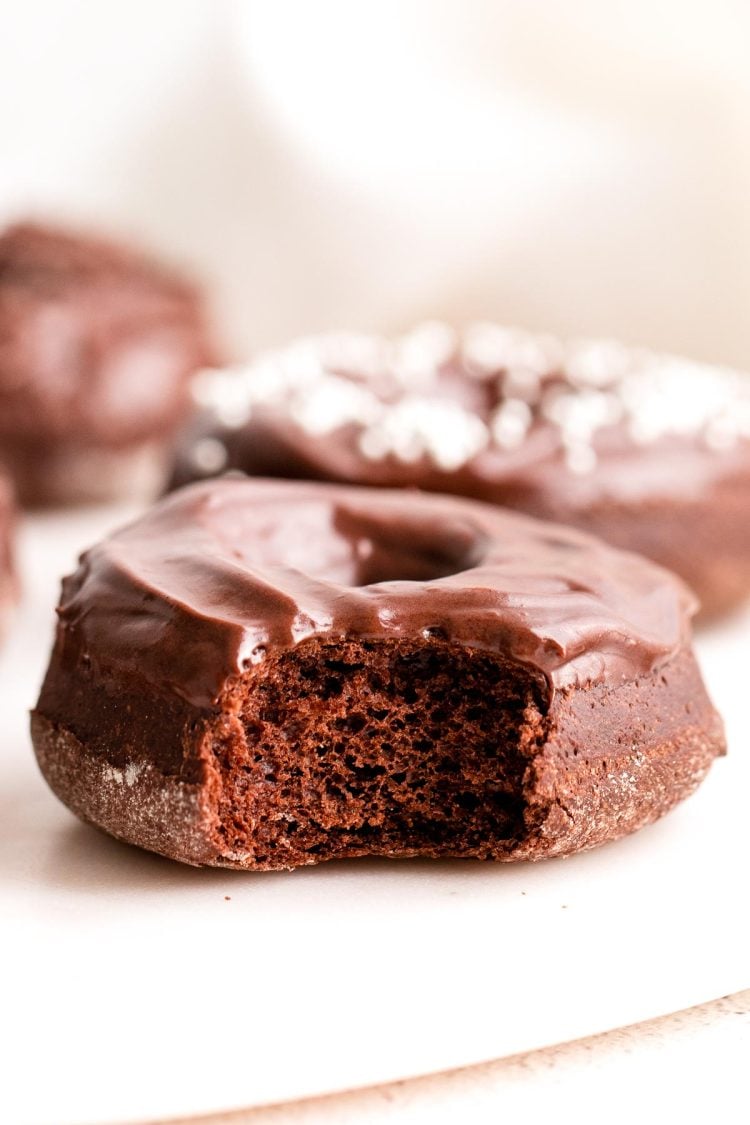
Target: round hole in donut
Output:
[(341, 543)]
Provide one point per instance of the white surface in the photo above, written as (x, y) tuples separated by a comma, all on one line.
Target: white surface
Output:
[(135, 988), (689, 1068)]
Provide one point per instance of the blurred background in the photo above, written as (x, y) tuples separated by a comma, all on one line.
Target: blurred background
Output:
[(582, 167)]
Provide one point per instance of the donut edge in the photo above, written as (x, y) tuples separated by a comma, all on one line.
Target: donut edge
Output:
[(135, 803)]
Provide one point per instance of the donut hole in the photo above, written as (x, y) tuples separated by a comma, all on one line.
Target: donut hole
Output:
[(349, 546), (421, 750), (376, 562), (404, 546)]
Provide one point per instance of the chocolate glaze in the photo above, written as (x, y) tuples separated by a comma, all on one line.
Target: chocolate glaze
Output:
[(220, 574)]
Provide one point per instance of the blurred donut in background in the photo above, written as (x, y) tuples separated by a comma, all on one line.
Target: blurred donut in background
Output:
[(96, 348), (8, 580), (650, 452)]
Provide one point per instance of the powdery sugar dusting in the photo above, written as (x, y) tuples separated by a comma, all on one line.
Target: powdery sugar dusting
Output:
[(400, 396), (134, 802), (417, 427)]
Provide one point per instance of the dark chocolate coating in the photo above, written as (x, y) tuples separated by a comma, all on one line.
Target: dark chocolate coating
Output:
[(649, 452), (96, 347), (261, 674), (223, 573)]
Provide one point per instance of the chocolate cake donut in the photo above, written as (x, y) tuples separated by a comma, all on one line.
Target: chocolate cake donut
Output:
[(260, 674), (8, 581), (96, 347), (650, 452)]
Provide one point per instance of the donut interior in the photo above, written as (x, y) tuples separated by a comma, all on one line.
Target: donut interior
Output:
[(373, 747)]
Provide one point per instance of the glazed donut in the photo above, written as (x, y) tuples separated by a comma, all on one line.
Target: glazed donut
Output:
[(650, 452), (96, 347), (264, 674)]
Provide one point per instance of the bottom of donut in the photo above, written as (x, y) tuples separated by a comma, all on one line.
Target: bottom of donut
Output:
[(397, 749), (76, 473)]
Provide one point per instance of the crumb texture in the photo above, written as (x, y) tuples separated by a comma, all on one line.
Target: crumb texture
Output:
[(356, 748)]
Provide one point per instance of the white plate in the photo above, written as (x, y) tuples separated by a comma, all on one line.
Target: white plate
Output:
[(135, 988)]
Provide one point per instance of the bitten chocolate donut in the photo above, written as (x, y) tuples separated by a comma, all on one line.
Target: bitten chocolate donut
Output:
[(266, 674), (96, 346), (8, 581), (652, 453)]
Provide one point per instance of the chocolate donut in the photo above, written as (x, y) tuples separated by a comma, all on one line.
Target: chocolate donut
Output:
[(8, 580), (650, 452), (96, 347), (261, 674)]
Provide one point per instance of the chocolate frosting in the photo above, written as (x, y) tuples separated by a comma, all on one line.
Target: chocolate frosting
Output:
[(220, 574)]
